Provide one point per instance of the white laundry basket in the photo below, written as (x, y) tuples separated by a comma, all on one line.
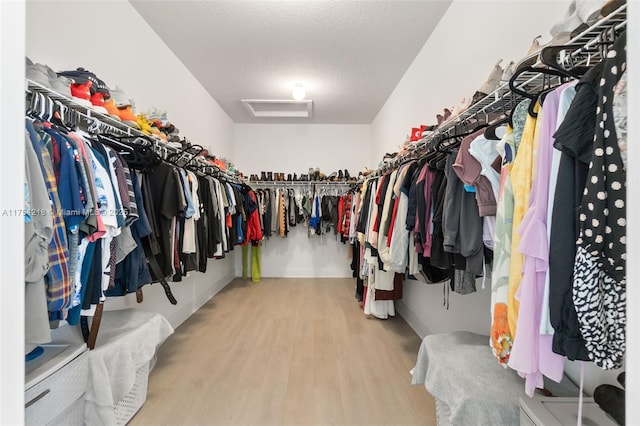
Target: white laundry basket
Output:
[(443, 413), (129, 405)]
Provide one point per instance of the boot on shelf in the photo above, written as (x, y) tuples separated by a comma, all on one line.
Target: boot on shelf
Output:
[(263, 176), (347, 176), (340, 176), (316, 174), (289, 178)]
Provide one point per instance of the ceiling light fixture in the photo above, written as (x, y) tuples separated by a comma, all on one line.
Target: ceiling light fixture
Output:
[(298, 91)]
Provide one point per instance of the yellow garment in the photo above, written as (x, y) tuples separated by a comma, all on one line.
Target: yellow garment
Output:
[(521, 176), (501, 338), (256, 268)]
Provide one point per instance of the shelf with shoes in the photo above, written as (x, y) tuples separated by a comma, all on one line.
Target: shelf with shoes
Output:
[(314, 177), (585, 48), (300, 183), (50, 103)]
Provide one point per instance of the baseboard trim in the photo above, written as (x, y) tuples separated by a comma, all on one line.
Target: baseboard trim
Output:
[(306, 273), (412, 319), (221, 283), (182, 314)]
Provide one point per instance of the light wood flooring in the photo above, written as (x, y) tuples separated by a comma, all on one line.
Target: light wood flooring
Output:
[(286, 352)]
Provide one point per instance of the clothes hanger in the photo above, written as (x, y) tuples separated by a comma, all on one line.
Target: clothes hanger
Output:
[(122, 148), (456, 136), (534, 96), (490, 131), (549, 57), (179, 156)]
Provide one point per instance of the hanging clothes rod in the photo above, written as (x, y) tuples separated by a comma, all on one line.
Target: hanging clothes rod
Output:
[(98, 119), (298, 183), (502, 95)]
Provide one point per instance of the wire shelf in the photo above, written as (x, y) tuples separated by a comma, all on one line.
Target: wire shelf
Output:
[(498, 100), (107, 123)]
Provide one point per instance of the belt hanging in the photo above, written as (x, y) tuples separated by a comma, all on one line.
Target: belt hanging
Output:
[(155, 269), (90, 335)]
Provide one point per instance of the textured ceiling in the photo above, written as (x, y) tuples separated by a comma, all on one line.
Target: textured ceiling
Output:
[(350, 54)]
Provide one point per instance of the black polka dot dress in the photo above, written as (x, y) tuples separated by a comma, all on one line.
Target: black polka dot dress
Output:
[(599, 286)]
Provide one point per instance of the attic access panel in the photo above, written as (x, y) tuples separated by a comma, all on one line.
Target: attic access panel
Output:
[(262, 108)]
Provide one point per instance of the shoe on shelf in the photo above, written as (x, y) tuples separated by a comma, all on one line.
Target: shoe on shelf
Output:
[(477, 97), (158, 117), (461, 107), (120, 98), (45, 76), (60, 84), (83, 79), (579, 12), (81, 76), (509, 71), (143, 123), (37, 73), (81, 93), (110, 106), (98, 102), (493, 80), (127, 115)]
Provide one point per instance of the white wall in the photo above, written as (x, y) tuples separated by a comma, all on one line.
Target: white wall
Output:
[(293, 149), (454, 63), (112, 40), (12, 38)]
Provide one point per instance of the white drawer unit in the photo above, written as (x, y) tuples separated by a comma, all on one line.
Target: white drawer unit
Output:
[(56, 385), (543, 411)]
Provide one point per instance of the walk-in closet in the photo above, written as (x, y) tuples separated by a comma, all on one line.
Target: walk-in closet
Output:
[(319, 212)]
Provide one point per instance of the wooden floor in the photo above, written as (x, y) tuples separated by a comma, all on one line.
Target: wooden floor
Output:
[(286, 352)]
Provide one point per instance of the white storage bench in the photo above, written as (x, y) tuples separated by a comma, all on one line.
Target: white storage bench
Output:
[(469, 385), (120, 363)]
